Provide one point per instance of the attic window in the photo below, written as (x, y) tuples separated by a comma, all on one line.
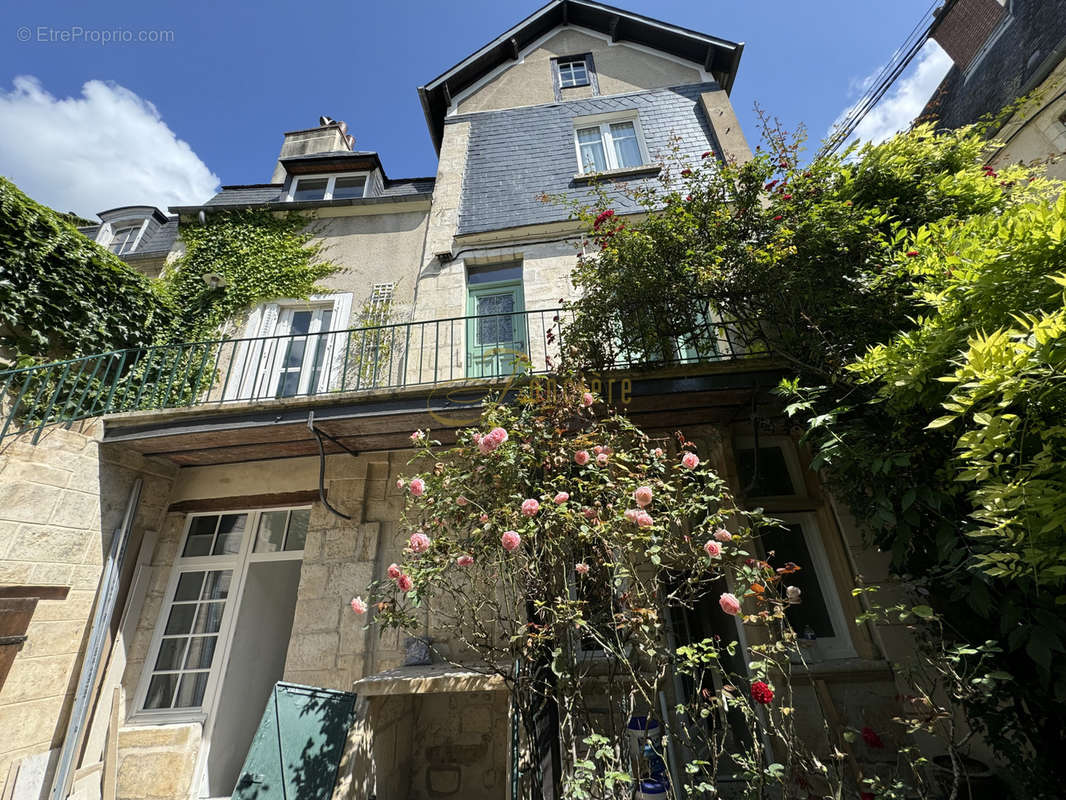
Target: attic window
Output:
[(573, 72), (123, 239), (328, 187)]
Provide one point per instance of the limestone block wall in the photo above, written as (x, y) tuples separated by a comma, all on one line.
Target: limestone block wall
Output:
[(60, 502), (156, 762)]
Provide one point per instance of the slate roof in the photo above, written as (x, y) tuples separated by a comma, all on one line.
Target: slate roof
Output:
[(1015, 63), (516, 155), (720, 57), (158, 244), (261, 194)]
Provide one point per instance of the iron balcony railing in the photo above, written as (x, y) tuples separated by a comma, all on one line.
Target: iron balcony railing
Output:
[(291, 365)]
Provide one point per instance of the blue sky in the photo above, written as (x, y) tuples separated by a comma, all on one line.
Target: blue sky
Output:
[(234, 78)]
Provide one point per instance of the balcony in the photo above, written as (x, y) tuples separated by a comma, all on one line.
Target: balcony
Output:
[(412, 359)]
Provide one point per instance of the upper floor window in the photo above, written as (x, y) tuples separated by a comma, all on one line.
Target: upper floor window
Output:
[(612, 144), (327, 187), (573, 72), (123, 239)]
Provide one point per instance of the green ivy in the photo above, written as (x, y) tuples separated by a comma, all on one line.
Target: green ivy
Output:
[(260, 255), (62, 295)]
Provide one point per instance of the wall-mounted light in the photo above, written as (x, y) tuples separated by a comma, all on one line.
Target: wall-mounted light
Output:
[(215, 281)]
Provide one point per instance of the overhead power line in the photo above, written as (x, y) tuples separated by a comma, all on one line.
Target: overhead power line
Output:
[(884, 79)]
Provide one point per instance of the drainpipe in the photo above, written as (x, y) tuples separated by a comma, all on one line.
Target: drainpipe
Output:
[(106, 597)]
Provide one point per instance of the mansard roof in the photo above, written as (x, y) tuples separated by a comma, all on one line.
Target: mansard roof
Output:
[(720, 57)]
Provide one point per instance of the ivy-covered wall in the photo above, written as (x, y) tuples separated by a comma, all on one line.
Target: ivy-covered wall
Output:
[(62, 295)]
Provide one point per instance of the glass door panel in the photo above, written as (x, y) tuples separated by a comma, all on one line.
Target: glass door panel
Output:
[(496, 337)]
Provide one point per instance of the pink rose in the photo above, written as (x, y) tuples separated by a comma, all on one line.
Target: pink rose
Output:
[(713, 548), (601, 459), (419, 542), (631, 514), (486, 445), (417, 436), (464, 560), (581, 457), (499, 434), (561, 498), (581, 568), (589, 512), (644, 519), (418, 487), (690, 460), (598, 449), (530, 507), (510, 541), (476, 437), (358, 605), (393, 571), (461, 500), (484, 518), (657, 452), (399, 483), (404, 583), (723, 535), (729, 603), (643, 496), (587, 399)]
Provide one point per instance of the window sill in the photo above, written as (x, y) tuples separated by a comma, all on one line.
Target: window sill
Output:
[(612, 174)]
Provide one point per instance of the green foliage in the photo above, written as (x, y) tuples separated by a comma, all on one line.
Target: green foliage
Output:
[(62, 295), (261, 256), (918, 298)]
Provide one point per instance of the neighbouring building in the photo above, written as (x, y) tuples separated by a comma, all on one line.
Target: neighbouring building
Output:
[(167, 567), (1004, 50)]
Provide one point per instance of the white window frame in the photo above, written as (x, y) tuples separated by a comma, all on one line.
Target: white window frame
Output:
[(105, 237), (570, 62), (245, 381), (331, 181), (238, 563), (604, 123), (824, 648)]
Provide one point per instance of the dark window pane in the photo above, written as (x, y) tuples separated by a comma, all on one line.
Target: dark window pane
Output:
[(191, 690), (298, 529), (161, 691), (201, 651), (189, 586), (171, 652), (230, 533), (773, 478), (289, 384), (217, 586), (201, 534), (490, 273), (180, 619), (209, 619), (310, 189), (348, 187), (271, 534), (789, 545)]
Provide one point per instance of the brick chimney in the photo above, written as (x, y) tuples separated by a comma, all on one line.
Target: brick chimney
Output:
[(963, 26), (330, 136)]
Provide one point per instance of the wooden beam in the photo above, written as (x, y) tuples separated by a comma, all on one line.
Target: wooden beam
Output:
[(38, 592), (244, 501)]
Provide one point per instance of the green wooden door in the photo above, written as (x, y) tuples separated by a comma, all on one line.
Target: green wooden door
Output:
[(298, 745), (496, 338)]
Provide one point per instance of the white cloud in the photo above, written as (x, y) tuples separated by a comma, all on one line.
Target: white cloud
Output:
[(905, 99), (104, 149)]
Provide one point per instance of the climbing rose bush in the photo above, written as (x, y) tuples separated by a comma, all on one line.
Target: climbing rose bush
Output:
[(556, 544)]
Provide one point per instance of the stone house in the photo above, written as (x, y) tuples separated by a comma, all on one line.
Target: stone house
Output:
[(1003, 50), (174, 564)]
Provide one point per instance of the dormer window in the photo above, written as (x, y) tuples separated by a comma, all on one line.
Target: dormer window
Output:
[(344, 186), (573, 72), (123, 239)]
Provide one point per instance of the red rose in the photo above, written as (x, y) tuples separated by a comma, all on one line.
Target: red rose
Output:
[(761, 693), (869, 735), (778, 218), (706, 155), (685, 173), (786, 197), (912, 253), (866, 796), (770, 185), (603, 217)]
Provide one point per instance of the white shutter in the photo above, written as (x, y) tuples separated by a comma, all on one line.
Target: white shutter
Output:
[(249, 361)]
